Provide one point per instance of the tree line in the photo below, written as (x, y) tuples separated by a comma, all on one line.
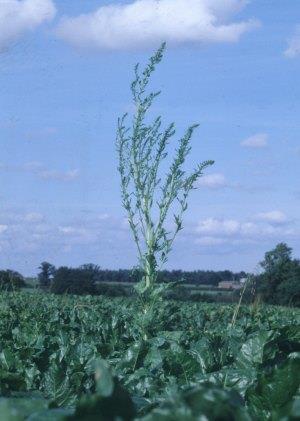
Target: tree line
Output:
[(278, 282), (209, 277), (91, 279)]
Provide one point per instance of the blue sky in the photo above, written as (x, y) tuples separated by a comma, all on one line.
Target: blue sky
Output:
[(231, 65)]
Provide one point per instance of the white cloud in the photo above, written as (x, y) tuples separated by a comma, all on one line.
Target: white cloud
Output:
[(103, 216), (218, 226), (293, 49), (24, 245), (213, 181), (258, 140), (275, 216), (69, 230), (59, 175), (210, 241), (144, 23), (41, 228), (33, 217), (39, 170), (32, 166), (3, 228), (18, 17), (261, 227)]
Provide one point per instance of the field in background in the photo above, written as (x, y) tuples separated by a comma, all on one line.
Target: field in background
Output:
[(126, 288)]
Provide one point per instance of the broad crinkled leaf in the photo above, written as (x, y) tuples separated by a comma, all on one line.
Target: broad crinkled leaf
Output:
[(252, 352), (58, 386), (278, 388)]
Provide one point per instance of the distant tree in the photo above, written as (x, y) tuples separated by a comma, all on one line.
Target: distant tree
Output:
[(11, 280), (92, 271), (46, 274), (73, 281), (280, 282), (288, 292), (276, 258)]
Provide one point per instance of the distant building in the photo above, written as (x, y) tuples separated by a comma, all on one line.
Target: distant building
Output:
[(230, 285)]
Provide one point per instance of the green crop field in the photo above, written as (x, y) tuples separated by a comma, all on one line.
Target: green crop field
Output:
[(94, 358)]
